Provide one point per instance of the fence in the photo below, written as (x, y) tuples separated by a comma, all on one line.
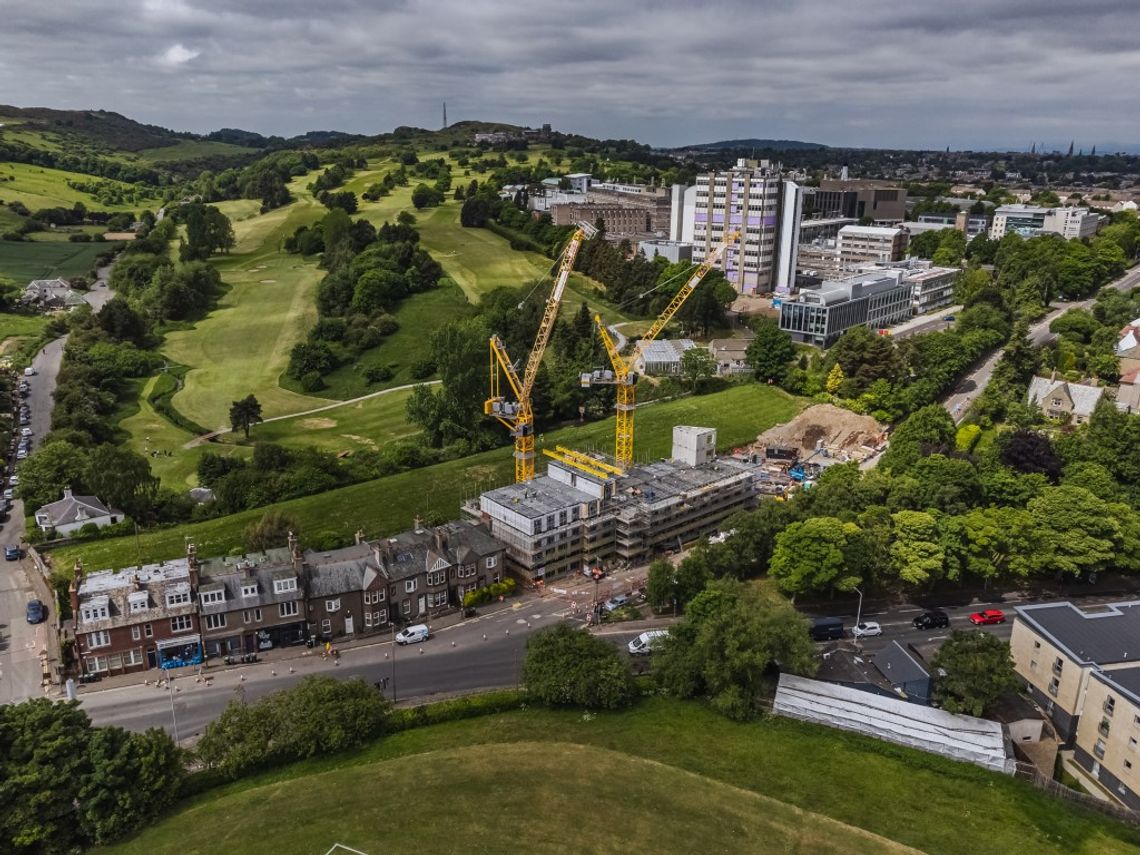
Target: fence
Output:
[(1029, 772)]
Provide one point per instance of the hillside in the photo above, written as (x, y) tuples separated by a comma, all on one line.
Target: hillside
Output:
[(770, 145)]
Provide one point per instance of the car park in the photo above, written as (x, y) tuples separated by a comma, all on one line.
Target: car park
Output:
[(867, 629), (615, 603), (932, 619), (35, 611), (987, 616), (412, 634)]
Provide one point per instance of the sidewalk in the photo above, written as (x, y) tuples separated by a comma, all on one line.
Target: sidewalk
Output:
[(216, 664)]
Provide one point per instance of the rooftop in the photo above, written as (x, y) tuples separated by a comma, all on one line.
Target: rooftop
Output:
[(1084, 397), (1124, 680), (105, 581), (869, 231), (1109, 634), (538, 497)]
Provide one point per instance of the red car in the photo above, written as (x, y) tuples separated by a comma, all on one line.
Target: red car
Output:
[(987, 616)]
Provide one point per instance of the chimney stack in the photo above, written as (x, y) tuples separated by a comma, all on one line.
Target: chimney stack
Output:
[(296, 555), (359, 536), (418, 525), (192, 564)]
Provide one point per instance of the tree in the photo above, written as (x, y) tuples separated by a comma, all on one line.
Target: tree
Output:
[(1078, 533), (731, 637), (569, 667), (121, 321), (661, 585), (813, 555), (925, 431), (835, 378), (917, 556), (55, 467), (122, 479), (997, 543), (272, 530), (245, 413), (697, 364), (770, 350), (1030, 451), (979, 670), (426, 197)]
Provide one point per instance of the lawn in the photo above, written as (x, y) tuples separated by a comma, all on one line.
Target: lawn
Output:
[(667, 776), (14, 327), (22, 261), (387, 505), (243, 346), (191, 149), (42, 187)]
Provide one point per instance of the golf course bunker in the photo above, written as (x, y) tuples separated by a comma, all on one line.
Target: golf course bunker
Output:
[(318, 424)]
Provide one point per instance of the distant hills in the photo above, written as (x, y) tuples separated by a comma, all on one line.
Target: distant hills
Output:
[(94, 127), (770, 145)]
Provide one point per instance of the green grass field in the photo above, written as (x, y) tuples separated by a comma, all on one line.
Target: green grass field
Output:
[(15, 327), (22, 261), (667, 776), (42, 187), (739, 414), (191, 149)]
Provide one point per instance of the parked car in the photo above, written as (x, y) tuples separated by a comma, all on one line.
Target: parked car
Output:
[(11, 553), (412, 634), (13, 480), (29, 372), (9, 494), (25, 431), (987, 616), (35, 611), (643, 644), (932, 619), (615, 603), (22, 454), (867, 629), (827, 629)]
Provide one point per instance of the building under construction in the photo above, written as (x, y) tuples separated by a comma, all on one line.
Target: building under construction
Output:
[(585, 512)]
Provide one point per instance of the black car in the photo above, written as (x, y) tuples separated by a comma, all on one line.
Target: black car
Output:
[(933, 619), (35, 611)]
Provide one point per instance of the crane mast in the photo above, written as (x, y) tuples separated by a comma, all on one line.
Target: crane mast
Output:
[(623, 375), (516, 415)]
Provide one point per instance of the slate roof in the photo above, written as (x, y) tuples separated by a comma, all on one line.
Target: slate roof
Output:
[(1106, 635), (73, 509), (1084, 397), (1125, 680), (899, 665), (260, 568), (339, 571), (113, 589), (412, 552)]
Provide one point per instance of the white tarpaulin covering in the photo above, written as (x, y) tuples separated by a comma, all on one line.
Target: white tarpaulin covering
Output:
[(961, 737)]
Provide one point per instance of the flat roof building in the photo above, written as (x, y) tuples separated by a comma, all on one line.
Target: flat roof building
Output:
[(821, 315), (859, 245), (1030, 221)]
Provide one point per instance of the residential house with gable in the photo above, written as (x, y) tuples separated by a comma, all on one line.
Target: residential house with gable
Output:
[(253, 602), (338, 580), (138, 618), (73, 512), (1059, 399)]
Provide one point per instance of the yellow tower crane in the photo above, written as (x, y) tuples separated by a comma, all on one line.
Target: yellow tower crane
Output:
[(623, 375), (517, 415)]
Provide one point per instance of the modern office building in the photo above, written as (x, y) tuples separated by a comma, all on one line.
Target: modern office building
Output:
[(752, 198), (1082, 668), (1030, 221), (931, 287), (672, 251), (858, 245), (856, 199), (821, 315)]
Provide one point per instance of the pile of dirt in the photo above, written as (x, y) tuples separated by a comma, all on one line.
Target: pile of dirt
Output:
[(839, 430)]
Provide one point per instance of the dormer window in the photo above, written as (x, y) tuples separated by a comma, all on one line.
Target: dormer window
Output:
[(284, 586), (138, 602), (177, 598), (249, 590), (212, 597)]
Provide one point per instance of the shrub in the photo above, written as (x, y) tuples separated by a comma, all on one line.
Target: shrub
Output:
[(569, 667), (423, 369), (312, 382), (377, 373)]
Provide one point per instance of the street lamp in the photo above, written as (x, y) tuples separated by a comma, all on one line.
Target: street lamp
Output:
[(173, 715), (859, 611)]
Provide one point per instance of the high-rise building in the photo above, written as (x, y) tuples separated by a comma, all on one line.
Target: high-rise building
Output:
[(753, 199)]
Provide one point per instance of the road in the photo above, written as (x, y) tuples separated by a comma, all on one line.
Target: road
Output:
[(21, 644), (974, 383)]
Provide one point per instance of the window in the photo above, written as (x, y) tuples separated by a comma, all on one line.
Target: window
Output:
[(1098, 749), (1109, 706), (437, 578), (102, 638), (410, 586), (1054, 685), (94, 613), (284, 586), (182, 623), (216, 621), (1127, 764), (1033, 666), (249, 590), (1058, 666), (406, 608), (437, 600), (257, 615), (136, 633), (138, 602), (287, 609), (148, 630), (465, 571), (246, 616), (492, 561), (373, 597), (1037, 645), (380, 617), (1132, 743), (210, 597), (177, 598), (332, 605), (326, 626)]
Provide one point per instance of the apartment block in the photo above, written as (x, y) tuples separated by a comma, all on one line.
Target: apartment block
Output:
[(859, 245), (138, 618), (1030, 221), (857, 199), (751, 198), (821, 315), (1083, 668), (573, 518)]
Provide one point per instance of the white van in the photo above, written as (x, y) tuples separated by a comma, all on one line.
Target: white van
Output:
[(643, 644), (29, 372), (412, 634)]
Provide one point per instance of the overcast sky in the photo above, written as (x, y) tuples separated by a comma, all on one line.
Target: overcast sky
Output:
[(918, 73)]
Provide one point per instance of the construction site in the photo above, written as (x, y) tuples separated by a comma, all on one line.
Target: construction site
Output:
[(823, 435)]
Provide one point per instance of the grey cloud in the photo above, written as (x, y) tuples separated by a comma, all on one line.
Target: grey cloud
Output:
[(872, 72)]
